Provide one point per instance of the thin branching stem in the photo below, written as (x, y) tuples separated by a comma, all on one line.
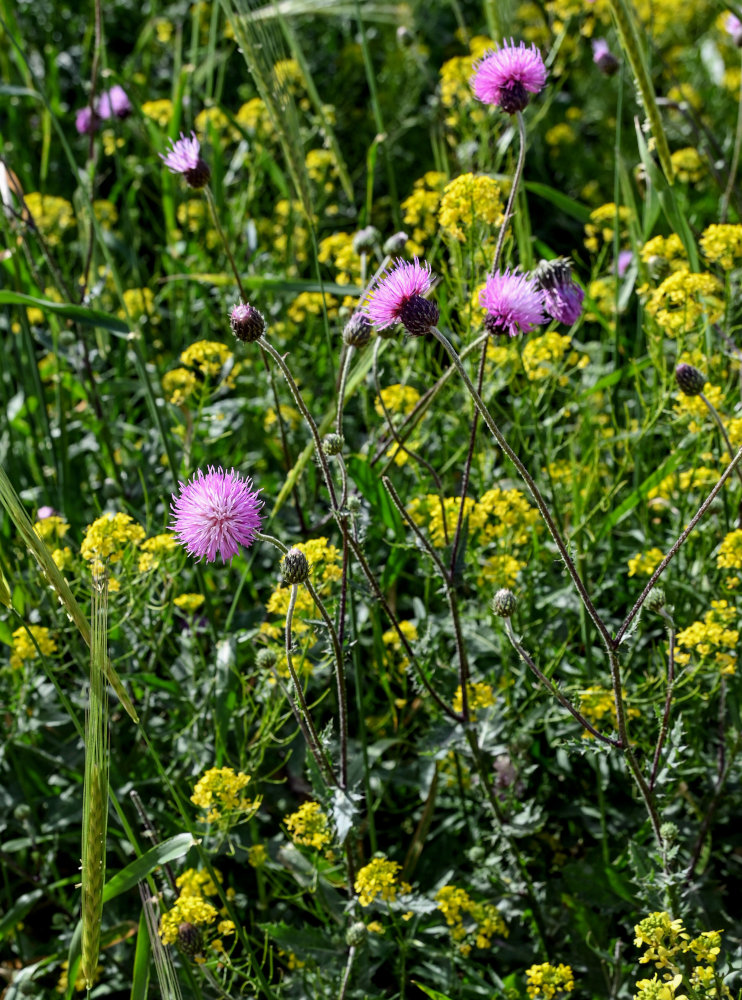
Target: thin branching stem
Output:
[(668, 698), (513, 191)]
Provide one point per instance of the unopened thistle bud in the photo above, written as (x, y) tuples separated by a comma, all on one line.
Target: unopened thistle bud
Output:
[(395, 244), (333, 444), (504, 603), (295, 567), (669, 832), (189, 939), (690, 380), (418, 315), (603, 58), (248, 325), (266, 658), (357, 331), (655, 600), (356, 934), (366, 239), (353, 505)]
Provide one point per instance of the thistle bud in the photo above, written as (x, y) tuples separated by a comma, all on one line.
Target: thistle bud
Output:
[(189, 939), (669, 832), (356, 934), (357, 331), (366, 239), (395, 244), (248, 325), (266, 658), (418, 315), (295, 567), (333, 444), (504, 603), (655, 600), (690, 380)]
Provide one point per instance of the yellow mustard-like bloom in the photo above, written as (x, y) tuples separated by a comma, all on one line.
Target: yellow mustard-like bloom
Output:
[(729, 555), (377, 880), (646, 562), (53, 216), (108, 536), (51, 528), (658, 989), (722, 244), (601, 225), (254, 117), (311, 304), (706, 947), (543, 355), (190, 603), (186, 910), (198, 882), (598, 703), (178, 385), (480, 695), (713, 640), (209, 356), (561, 134), (661, 937), (290, 416), (24, 648), (160, 112), (218, 792), (393, 643), (683, 299), (469, 922), (420, 209), (669, 248), (337, 249), (138, 303), (257, 855), (310, 826), (688, 165), (500, 570), (397, 399), (547, 980), (153, 549), (469, 199)]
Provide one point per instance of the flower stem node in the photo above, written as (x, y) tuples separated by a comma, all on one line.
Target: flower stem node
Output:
[(655, 600), (333, 444), (248, 325), (189, 940), (504, 603), (295, 567), (356, 934), (690, 380), (357, 331)]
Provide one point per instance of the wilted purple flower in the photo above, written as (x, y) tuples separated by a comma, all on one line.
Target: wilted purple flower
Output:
[(184, 157), (513, 302), (603, 57), (398, 298), (216, 512), (624, 259), (86, 121), (562, 296), (733, 26), (114, 103), (506, 75)]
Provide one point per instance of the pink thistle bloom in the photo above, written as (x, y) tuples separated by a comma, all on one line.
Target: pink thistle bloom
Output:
[(216, 512), (114, 103), (513, 303), (506, 75), (562, 296), (184, 157), (398, 298)]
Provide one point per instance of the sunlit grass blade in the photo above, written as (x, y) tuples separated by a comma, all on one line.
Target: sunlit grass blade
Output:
[(95, 794), (38, 549), (166, 976)]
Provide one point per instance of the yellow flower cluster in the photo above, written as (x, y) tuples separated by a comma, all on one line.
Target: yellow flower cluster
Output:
[(378, 879), (254, 118), (597, 703), (324, 567), (24, 648), (729, 555), (469, 199), (543, 356), (310, 826), (311, 304), (186, 910), (337, 249), (106, 213), (53, 216), (722, 245), (322, 168), (178, 385), (195, 219), (190, 603), (51, 528), (480, 695), (712, 639), (498, 515), (397, 399), (544, 981), (257, 855), (420, 209), (108, 536), (160, 112), (646, 562), (290, 416), (456, 92), (470, 923), (683, 299), (666, 248), (219, 792), (393, 643), (139, 303), (154, 550), (214, 119), (208, 356), (688, 165), (290, 234), (697, 480), (667, 943), (602, 223)]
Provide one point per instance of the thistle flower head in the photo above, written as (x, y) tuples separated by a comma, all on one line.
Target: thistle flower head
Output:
[(215, 513), (733, 27), (505, 76), (562, 296), (86, 121), (184, 157), (398, 298), (504, 603), (248, 325), (603, 58), (114, 103), (513, 302), (690, 380), (357, 331)]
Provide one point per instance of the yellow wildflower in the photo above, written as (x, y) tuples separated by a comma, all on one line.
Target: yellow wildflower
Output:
[(108, 536), (209, 356), (178, 385), (722, 245), (545, 980), (218, 792), (469, 199), (310, 826), (378, 879)]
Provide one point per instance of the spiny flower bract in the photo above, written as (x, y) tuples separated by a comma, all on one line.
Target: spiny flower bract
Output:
[(215, 513), (513, 303), (506, 75), (404, 283)]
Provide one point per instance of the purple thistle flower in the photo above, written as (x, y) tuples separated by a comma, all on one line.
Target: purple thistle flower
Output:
[(733, 26), (114, 103), (506, 75), (603, 57), (562, 296), (184, 157), (398, 298), (513, 303), (216, 512), (624, 260), (86, 121)]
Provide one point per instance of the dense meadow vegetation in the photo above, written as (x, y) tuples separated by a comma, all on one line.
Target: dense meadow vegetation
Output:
[(371, 484)]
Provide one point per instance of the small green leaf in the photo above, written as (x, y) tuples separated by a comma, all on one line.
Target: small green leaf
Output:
[(127, 878)]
